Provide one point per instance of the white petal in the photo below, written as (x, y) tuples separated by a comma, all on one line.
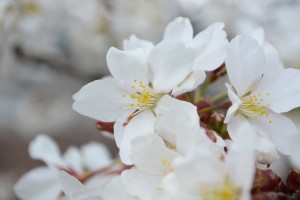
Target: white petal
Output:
[(191, 82), (73, 160), (148, 153), (39, 183), (278, 128), (128, 66), (280, 89), (69, 183), (96, 182), (211, 47), (139, 125), (236, 102), (259, 35), (135, 43), (192, 137), (74, 189), (45, 149), (170, 63), (168, 103), (101, 100), (173, 190), (273, 61), (95, 155), (198, 169), (167, 125), (245, 63), (115, 190), (179, 29), (182, 130), (140, 184), (266, 152), (240, 160), (240, 125)]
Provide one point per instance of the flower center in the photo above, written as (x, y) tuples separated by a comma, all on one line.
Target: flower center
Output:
[(143, 96), (254, 106), (168, 165), (227, 191)]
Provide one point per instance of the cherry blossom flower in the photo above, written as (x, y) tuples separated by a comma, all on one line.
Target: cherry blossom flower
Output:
[(43, 182), (259, 93), (139, 80)]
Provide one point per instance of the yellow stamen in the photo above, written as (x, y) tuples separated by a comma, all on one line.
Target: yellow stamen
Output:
[(227, 191), (254, 107)]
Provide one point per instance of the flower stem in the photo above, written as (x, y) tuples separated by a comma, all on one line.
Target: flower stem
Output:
[(217, 107), (199, 92), (219, 97)]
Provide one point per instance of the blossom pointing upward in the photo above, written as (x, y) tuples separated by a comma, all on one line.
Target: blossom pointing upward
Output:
[(140, 78)]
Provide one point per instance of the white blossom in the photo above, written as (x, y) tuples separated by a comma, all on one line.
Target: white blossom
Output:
[(259, 93), (43, 182)]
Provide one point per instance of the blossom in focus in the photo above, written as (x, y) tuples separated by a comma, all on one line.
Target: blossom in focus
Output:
[(142, 73), (259, 94), (43, 182), (140, 78)]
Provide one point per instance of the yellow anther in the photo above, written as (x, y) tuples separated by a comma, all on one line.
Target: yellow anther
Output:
[(227, 191), (270, 121), (159, 189), (168, 165), (143, 95), (253, 106)]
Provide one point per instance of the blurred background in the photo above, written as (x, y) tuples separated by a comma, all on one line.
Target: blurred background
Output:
[(49, 49)]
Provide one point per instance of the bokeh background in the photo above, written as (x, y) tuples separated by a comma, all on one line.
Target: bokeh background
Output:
[(49, 49)]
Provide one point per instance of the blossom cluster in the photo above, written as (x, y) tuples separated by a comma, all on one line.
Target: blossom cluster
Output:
[(175, 139)]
